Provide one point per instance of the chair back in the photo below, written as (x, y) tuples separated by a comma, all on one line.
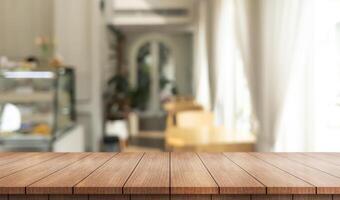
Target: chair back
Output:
[(179, 105), (189, 119)]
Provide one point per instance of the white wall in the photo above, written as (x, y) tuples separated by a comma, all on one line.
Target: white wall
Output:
[(20, 23), (73, 32), (79, 30)]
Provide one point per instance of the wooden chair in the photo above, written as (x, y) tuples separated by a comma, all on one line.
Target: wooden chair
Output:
[(189, 119), (192, 128), (179, 105), (195, 131)]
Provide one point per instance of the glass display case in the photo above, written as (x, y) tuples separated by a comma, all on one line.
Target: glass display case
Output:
[(36, 106)]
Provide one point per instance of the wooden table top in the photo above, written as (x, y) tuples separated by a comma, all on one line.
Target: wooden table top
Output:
[(169, 173)]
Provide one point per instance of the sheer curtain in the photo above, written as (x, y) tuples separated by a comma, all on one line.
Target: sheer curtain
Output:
[(262, 35), (310, 114), (287, 48), (232, 53), (326, 74), (247, 32), (283, 35), (201, 72), (293, 125), (224, 61), (270, 37)]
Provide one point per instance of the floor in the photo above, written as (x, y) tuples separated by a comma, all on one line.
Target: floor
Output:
[(146, 141)]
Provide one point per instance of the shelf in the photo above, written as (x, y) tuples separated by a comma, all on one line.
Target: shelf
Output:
[(37, 117), (23, 137), (13, 97)]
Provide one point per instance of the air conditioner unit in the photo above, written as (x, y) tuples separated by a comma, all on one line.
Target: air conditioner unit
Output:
[(150, 12)]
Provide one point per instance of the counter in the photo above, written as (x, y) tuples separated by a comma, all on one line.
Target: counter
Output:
[(184, 175)]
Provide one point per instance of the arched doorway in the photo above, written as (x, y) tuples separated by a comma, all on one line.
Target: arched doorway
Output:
[(152, 71)]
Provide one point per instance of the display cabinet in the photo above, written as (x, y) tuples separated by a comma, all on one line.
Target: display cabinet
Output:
[(36, 107)]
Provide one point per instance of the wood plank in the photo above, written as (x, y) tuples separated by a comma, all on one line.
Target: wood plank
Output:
[(276, 180), (189, 176), (8, 157), (325, 183), (328, 157), (191, 197), (150, 197), (313, 162), (231, 197), (28, 197), (2, 154), (271, 197), (152, 175), (109, 197), (230, 178), (68, 197), (26, 162), (111, 177), (17, 182), (62, 182), (312, 197), (186, 175)]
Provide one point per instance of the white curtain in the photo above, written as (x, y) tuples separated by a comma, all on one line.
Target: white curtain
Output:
[(201, 72), (282, 36), (310, 114), (287, 48), (326, 73), (224, 57), (247, 32), (233, 60), (271, 36), (265, 35), (292, 125)]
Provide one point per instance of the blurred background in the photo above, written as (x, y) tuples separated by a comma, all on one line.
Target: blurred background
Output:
[(169, 75)]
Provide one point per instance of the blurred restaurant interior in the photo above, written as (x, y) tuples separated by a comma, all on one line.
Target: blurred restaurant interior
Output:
[(169, 75)]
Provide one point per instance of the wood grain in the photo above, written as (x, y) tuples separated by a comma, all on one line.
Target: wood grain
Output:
[(150, 197), (272, 197), (313, 162), (152, 175), (231, 197), (62, 182), (312, 197), (17, 182), (111, 177), (109, 197), (8, 157), (28, 197), (189, 176), (26, 162), (230, 178), (276, 180), (191, 197), (3, 154), (185, 175), (68, 197), (325, 183), (328, 157)]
